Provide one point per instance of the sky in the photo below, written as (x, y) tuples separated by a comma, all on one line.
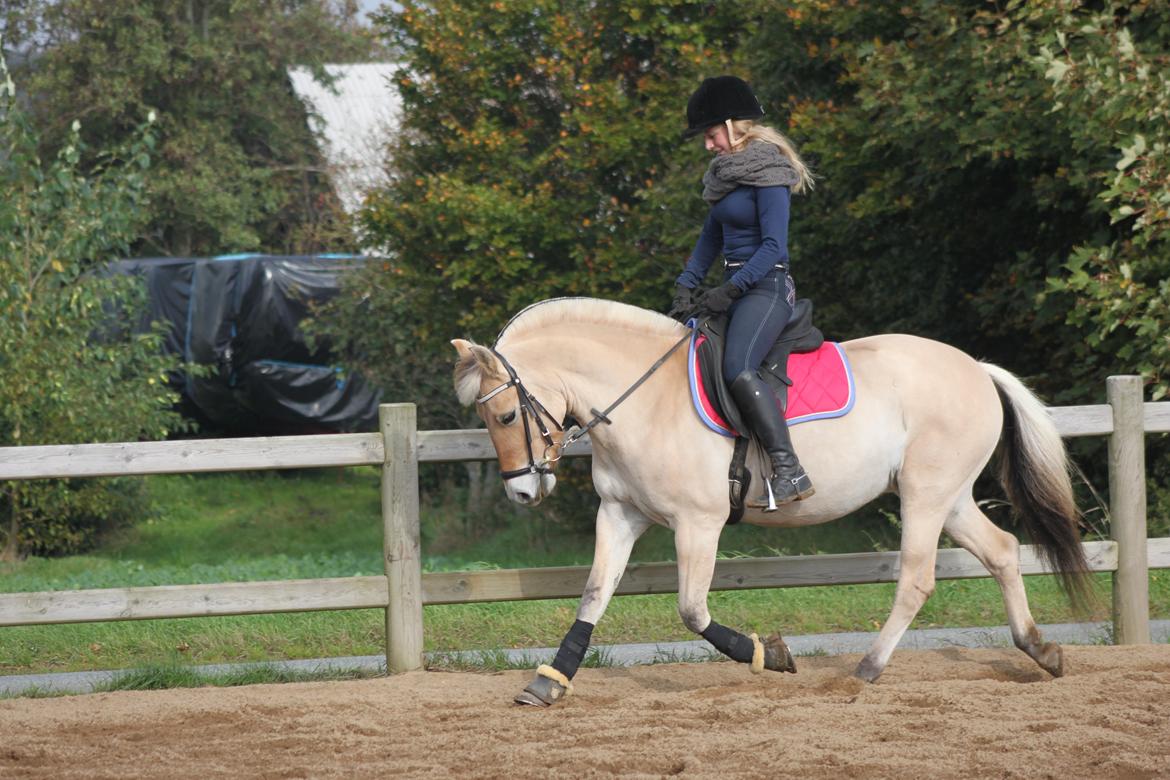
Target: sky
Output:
[(369, 6)]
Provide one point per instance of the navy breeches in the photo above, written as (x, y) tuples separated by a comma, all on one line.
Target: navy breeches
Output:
[(756, 320)]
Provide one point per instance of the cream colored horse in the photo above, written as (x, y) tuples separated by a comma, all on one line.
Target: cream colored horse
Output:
[(926, 421)]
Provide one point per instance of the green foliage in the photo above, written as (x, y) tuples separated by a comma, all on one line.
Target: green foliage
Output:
[(1109, 73), (540, 156), (73, 369), (237, 168), (940, 209), (158, 677), (991, 173)]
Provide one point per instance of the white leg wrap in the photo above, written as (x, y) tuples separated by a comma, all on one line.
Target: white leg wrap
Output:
[(757, 655), (544, 670)]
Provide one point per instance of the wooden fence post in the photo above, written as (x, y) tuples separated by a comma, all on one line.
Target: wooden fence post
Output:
[(1127, 511), (400, 537)]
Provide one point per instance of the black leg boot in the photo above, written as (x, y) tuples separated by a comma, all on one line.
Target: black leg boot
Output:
[(757, 404)]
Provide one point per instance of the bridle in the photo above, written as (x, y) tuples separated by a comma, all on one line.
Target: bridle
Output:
[(529, 407), (534, 409)]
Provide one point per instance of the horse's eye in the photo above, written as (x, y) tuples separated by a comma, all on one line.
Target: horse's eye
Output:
[(507, 419)]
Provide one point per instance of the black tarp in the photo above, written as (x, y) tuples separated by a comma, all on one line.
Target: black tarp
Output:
[(240, 315)]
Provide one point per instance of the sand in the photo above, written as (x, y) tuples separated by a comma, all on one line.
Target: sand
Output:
[(960, 713)]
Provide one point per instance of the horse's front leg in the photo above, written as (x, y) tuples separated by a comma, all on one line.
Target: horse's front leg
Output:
[(696, 547), (618, 527)]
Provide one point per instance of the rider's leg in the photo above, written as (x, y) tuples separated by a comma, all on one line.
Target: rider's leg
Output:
[(757, 404), (755, 323)]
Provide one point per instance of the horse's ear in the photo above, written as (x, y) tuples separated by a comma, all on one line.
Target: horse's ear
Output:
[(475, 363)]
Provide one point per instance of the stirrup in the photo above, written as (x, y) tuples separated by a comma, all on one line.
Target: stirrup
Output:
[(798, 493)]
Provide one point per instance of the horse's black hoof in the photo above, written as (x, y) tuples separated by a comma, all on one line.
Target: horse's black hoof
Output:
[(777, 657), (525, 697), (868, 670), (541, 692)]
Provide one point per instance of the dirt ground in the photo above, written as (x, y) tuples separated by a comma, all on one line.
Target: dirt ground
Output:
[(938, 714)]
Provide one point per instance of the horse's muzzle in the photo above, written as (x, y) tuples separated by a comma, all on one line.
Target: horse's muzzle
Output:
[(530, 489)]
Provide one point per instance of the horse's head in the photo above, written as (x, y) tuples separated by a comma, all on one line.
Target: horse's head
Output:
[(524, 431)]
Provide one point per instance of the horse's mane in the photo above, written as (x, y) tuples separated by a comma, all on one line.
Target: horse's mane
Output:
[(593, 311)]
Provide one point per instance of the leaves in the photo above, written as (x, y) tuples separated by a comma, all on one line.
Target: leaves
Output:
[(540, 155), (72, 370), (236, 168)]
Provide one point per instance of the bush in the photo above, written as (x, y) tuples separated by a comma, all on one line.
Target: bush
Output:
[(71, 367)]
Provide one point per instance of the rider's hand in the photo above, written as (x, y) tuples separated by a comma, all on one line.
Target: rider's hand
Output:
[(719, 299), (683, 303)]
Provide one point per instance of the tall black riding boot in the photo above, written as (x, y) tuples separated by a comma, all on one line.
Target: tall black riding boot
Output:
[(757, 404)]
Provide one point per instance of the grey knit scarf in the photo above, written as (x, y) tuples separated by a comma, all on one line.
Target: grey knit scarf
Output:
[(759, 164)]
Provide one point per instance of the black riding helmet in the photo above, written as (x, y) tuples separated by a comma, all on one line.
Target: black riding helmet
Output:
[(718, 99)]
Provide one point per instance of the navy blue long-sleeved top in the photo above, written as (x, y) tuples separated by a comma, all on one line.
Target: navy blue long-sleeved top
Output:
[(750, 226)]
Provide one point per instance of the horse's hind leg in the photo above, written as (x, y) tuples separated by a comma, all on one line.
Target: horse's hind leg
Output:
[(999, 552), (922, 525)]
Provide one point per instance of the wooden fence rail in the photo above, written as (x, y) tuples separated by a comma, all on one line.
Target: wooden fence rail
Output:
[(403, 590)]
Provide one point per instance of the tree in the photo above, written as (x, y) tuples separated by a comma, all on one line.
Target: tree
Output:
[(540, 155), (71, 367), (237, 168), (967, 152), (1108, 71)]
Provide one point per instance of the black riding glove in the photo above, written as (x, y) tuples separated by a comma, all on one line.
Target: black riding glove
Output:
[(683, 303), (719, 299)]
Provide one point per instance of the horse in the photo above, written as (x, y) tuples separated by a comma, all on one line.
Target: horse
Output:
[(926, 421)]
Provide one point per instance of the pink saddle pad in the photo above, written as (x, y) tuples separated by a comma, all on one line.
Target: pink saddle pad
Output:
[(822, 386)]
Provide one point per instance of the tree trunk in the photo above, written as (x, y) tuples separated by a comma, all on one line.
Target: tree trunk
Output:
[(474, 487), (11, 551)]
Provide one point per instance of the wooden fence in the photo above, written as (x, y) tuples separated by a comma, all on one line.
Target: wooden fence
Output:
[(403, 590)]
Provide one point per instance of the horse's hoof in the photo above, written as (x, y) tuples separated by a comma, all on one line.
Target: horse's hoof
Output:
[(777, 657), (541, 692), (525, 697), (1051, 659), (867, 670)]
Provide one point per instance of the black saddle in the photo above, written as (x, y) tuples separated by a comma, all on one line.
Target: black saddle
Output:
[(799, 335)]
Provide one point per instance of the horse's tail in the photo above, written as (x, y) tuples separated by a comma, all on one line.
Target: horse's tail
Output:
[(1034, 471)]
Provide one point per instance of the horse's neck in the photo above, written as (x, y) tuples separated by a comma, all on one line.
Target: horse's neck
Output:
[(594, 365)]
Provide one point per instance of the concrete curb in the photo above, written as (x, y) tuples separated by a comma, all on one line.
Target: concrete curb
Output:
[(623, 655)]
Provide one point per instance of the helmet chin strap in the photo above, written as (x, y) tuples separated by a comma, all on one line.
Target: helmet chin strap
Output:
[(732, 141)]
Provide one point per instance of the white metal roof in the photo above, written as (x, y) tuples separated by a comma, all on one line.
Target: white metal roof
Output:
[(353, 118)]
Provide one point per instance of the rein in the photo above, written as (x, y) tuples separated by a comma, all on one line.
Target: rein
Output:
[(530, 407)]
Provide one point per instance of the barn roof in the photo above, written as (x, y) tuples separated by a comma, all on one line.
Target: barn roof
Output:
[(353, 117)]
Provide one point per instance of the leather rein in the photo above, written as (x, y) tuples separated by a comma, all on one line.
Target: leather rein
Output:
[(534, 409)]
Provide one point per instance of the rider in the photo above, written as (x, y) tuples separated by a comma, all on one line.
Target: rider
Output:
[(748, 185)]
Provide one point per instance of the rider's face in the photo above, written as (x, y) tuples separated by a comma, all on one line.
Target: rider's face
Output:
[(716, 139)]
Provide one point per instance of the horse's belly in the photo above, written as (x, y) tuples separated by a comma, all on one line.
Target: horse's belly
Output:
[(851, 460)]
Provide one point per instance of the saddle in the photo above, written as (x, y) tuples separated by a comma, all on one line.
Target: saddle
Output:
[(799, 335)]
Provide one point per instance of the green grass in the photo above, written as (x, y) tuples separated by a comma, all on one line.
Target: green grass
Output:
[(159, 677), (272, 526)]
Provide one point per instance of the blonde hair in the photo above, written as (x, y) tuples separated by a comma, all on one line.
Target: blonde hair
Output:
[(741, 132)]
